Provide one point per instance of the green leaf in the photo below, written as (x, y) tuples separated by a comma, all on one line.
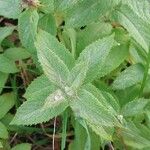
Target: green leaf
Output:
[(140, 8), (129, 77), (27, 28), (3, 79), (5, 31), (7, 101), (77, 75), (48, 24), (117, 55), (22, 146), (13, 8), (50, 53), (11, 67), (3, 131), (47, 6), (91, 33), (135, 107), (39, 89), (95, 55), (62, 5), (1, 146), (133, 137), (78, 15), (35, 111), (17, 54), (138, 28), (91, 106)]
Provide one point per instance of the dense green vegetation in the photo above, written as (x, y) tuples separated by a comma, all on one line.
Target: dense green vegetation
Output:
[(74, 74)]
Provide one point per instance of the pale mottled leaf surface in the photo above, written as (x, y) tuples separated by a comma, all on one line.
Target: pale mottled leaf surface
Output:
[(3, 131), (22, 146)]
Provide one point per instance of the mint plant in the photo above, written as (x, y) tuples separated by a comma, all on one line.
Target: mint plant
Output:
[(83, 62)]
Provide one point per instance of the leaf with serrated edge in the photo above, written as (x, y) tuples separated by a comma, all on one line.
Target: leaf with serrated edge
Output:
[(50, 53), (34, 112), (95, 55), (39, 89), (129, 77)]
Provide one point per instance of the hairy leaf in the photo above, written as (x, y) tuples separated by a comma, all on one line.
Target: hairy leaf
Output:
[(129, 77), (50, 53), (35, 111), (138, 28), (27, 28), (135, 107), (13, 8), (95, 55)]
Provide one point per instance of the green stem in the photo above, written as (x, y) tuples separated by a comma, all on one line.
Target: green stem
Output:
[(145, 74)]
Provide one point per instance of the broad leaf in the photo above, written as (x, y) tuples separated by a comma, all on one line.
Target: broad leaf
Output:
[(92, 108), (13, 8), (50, 53), (7, 101), (3, 131), (27, 28), (129, 77), (78, 15), (35, 111), (7, 65), (135, 107), (137, 27), (48, 24), (3, 79), (17, 53), (4, 32), (22, 146), (95, 55)]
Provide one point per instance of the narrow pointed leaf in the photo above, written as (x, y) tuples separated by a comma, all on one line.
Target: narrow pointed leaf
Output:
[(34, 112), (50, 53), (129, 77)]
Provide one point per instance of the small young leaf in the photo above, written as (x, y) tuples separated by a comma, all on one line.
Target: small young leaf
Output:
[(7, 65), (27, 28), (22, 146), (135, 107), (129, 77), (7, 101), (50, 53), (48, 24), (35, 111), (95, 55), (3, 131), (17, 53), (13, 8)]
